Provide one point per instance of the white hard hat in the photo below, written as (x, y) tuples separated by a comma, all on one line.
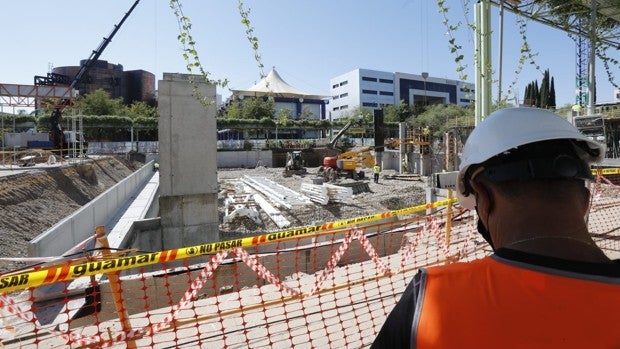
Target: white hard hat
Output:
[(510, 128)]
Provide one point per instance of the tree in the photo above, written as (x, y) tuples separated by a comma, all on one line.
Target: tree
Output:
[(544, 91), (257, 108), (390, 113), (233, 111), (543, 97), (439, 118), (99, 102), (526, 94), (283, 117), (552, 94), (403, 111), (139, 109)]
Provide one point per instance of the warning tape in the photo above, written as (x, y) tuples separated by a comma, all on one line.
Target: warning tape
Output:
[(605, 171), (208, 271), (20, 281)]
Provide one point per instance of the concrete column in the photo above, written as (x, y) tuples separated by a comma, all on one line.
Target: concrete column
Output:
[(402, 134), (188, 162)]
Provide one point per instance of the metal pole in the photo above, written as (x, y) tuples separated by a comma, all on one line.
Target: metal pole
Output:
[(486, 63), (501, 50), (2, 128), (591, 65), (478, 69)]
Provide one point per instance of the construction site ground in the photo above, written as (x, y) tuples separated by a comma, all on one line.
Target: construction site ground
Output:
[(34, 199)]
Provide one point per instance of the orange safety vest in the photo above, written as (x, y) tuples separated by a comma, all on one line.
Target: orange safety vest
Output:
[(497, 303)]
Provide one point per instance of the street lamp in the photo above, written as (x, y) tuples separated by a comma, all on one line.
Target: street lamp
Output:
[(425, 76)]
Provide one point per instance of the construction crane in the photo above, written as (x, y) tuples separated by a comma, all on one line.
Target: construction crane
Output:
[(582, 60), (52, 79)]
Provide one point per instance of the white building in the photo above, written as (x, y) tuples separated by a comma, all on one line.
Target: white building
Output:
[(374, 89), (298, 103)]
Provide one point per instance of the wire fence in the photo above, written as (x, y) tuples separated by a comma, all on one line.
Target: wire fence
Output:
[(328, 285)]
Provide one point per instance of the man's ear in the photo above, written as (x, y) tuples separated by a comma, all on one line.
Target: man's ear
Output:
[(484, 198)]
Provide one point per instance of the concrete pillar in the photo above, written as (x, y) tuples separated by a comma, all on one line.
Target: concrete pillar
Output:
[(402, 134), (188, 162)]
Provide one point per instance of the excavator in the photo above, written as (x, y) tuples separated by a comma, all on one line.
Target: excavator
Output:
[(294, 164)]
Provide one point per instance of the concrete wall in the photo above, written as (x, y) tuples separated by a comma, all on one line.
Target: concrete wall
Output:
[(247, 159), (147, 292), (21, 139), (81, 225), (188, 161)]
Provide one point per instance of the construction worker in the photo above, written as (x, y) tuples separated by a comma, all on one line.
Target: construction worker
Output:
[(547, 285), (376, 171)]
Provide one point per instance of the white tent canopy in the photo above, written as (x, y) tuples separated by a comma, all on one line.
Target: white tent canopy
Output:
[(274, 85)]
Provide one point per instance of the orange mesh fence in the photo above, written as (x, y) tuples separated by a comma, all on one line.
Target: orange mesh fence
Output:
[(330, 285)]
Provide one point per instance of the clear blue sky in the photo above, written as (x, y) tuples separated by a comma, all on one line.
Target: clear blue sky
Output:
[(308, 42)]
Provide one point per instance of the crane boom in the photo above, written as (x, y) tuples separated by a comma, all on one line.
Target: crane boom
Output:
[(52, 79), (94, 56)]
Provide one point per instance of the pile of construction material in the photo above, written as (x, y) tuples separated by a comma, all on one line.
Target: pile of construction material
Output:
[(326, 193)]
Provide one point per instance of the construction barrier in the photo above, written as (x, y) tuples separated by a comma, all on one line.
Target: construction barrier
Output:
[(328, 285)]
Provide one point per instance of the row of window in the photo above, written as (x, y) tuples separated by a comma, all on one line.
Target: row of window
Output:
[(342, 107), (374, 92), (340, 84), (386, 81), (341, 96)]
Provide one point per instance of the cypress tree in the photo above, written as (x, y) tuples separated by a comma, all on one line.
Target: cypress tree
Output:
[(544, 91), (552, 94)]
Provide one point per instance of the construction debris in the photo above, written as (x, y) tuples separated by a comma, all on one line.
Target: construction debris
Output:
[(326, 193), (240, 207), (277, 193), (273, 213), (356, 187)]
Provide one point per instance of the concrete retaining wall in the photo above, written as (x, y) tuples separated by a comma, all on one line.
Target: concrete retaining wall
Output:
[(80, 225), (247, 159)]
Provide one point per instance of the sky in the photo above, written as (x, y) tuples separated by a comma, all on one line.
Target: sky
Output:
[(308, 42)]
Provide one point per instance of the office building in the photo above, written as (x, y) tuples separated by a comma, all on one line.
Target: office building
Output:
[(375, 89)]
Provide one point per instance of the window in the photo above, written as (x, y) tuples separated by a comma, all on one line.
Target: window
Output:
[(336, 97), (386, 93), (335, 108), (344, 107), (344, 95), (465, 100), (344, 83), (335, 86), (372, 105), (387, 81), (369, 92), (366, 78)]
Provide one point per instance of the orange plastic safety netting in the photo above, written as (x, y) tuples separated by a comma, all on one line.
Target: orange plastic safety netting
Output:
[(305, 287)]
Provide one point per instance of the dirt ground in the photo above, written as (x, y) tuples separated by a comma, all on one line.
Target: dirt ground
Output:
[(32, 202), (388, 194)]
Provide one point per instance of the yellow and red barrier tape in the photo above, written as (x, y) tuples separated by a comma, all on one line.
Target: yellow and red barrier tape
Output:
[(20, 281), (605, 171)]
